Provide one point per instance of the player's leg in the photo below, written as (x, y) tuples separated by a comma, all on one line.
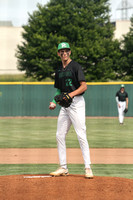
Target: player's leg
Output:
[(63, 126), (123, 108), (77, 115), (120, 112)]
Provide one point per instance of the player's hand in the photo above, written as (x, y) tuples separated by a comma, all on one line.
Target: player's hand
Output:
[(71, 95), (52, 106), (119, 105)]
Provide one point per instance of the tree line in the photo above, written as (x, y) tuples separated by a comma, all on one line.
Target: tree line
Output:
[(86, 26)]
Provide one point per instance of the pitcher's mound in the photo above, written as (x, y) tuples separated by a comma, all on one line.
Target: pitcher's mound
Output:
[(72, 187)]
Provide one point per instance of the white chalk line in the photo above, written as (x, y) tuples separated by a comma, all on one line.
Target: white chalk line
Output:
[(47, 176)]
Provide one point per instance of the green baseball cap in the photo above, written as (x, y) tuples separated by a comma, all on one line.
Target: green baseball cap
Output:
[(122, 86), (63, 45)]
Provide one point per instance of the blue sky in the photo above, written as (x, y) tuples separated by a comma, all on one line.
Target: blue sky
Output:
[(17, 10)]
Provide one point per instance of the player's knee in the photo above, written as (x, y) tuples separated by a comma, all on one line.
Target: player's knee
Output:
[(82, 138), (59, 137)]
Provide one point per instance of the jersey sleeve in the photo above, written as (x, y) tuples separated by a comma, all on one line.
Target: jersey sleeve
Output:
[(126, 95), (56, 85), (80, 74), (117, 94)]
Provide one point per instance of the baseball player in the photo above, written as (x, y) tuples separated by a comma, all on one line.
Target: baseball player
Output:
[(69, 78), (122, 103)]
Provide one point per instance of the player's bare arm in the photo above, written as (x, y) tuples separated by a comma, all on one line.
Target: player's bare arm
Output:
[(80, 90), (126, 102)]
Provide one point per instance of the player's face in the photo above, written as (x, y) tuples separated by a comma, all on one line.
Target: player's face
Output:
[(122, 89), (64, 54)]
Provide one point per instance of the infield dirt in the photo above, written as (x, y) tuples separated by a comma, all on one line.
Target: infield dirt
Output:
[(72, 187), (74, 156)]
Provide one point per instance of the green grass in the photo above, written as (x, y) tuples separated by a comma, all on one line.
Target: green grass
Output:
[(125, 171), (27, 133), (41, 133)]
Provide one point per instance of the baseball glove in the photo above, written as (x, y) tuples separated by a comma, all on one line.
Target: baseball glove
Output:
[(126, 110), (63, 99)]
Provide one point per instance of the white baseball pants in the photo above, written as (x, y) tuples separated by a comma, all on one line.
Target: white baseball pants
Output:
[(75, 114), (121, 110)]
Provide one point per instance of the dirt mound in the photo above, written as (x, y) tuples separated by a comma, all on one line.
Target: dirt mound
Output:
[(72, 187)]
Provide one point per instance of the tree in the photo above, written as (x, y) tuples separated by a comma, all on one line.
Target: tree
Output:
[(84, 24), (127, 55)]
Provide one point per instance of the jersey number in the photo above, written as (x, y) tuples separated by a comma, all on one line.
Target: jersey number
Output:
[(68, 82)]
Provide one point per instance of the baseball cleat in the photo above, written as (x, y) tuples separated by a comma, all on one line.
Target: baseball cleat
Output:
[(60, 172), (88, 173)]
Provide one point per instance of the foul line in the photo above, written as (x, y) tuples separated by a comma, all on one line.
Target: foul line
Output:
[(37, 176)]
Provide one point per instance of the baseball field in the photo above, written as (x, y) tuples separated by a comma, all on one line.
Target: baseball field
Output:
[(28, 153)]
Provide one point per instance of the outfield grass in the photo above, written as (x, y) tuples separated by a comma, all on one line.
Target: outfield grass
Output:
[(122, 170), (41, 133)]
